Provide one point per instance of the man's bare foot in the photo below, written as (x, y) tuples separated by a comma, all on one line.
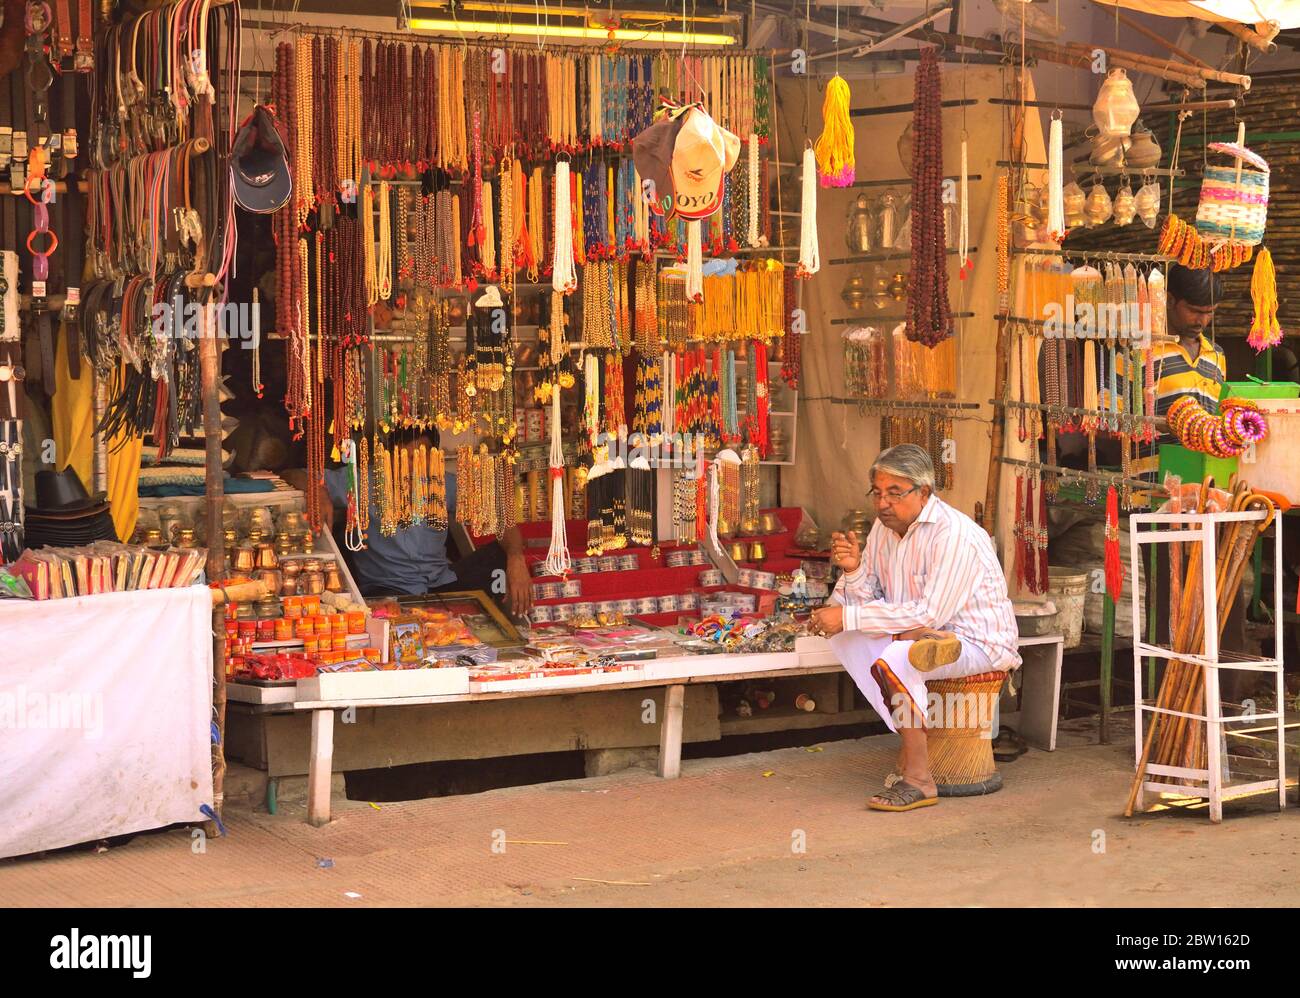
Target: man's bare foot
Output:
[(930, 648)]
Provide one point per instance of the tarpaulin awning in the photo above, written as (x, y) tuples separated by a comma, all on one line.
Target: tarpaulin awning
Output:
[(1259, 14)]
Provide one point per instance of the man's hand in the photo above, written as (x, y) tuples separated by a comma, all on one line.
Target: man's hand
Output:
[(828, 620), (519, 586), (846, 551)]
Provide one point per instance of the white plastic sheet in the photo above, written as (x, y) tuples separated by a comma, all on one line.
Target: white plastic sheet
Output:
[(105, 716)]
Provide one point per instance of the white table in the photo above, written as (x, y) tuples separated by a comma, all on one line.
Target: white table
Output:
[(812, 656)]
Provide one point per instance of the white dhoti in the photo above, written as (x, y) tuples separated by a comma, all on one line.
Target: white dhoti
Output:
[(859, 651)]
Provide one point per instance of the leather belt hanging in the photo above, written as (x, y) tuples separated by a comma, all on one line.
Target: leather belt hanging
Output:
[(71, 224)]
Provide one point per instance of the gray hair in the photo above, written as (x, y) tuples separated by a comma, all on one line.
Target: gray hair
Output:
[(908, 461)]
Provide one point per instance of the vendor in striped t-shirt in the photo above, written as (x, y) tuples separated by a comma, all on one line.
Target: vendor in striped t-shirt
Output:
[(1192, 365)]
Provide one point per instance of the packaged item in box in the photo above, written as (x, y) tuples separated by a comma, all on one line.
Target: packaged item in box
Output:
[(762, 580), (584, 566), (677, 559), (628, 563), (816, 568), (670, 604), (535, 424), (408, 640), (607, 606), (571, 588), (711, 577), (626, 606), (647, 604), (563, 611), (688, 601), (521, 426), (607, 563), (584, 609), (537, 568), (542, 614)]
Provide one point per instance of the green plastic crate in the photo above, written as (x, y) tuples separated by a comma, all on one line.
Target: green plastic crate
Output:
[(1254, 388), (1192, 466)]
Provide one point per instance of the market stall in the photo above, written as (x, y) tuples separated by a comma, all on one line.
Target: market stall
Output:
[(587, 302)]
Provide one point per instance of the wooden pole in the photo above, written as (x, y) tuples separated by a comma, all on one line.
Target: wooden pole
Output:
[(209, 379), (1105, 693), (1160, 40)]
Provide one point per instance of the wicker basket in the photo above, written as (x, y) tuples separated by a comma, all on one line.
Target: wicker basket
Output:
[(1234, 200), (960, 744)]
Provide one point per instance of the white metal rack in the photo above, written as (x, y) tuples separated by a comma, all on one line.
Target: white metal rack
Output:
[(1194, 528)]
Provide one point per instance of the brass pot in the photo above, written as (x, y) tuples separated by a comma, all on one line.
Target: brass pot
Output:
[(291, 568), (289, 585), (771, 523), (306, 543), (311, 583), (186, 539), (291, 522), (312, 565), (270, 578), (757, 552), (283, 545), (333, 580), (266, 556), (245, 561), (255, 536), (738, 551)]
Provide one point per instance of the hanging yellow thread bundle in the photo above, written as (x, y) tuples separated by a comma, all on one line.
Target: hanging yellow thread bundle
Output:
[(1265, 330), (834, 147)]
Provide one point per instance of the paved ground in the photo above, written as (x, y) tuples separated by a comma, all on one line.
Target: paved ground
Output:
[(777, 828)]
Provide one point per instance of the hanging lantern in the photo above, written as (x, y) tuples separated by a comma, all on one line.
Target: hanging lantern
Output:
[(857, 233), (1147, 203), (1116, 108), (1072, 197), (1097, 209), (1125, 206)]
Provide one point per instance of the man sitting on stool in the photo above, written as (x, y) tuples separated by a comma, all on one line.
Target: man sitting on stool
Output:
[(924, 566)]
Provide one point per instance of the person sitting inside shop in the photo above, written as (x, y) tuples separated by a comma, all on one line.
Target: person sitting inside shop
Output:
[(414, 559), (924, 598), (1189, 364)]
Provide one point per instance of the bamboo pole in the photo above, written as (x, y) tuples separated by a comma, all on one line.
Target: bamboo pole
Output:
[(210, 377), (1160, 40)]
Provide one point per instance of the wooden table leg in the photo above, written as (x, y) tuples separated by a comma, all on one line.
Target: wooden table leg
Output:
[(670, 733), (321, 767)]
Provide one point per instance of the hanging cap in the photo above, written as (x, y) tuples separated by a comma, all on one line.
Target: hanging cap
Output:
[(703, 155), (490, 298), (259, 164), (652, 152)]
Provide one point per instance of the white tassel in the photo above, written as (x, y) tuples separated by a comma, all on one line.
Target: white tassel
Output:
[(963, 230), (694, 262), (809, 256), (1056, 181), (753, 190), (669, 383), (641, 216), (563, 278), (557, 558), (715, 476)]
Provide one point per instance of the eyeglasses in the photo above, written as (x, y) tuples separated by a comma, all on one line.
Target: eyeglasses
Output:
[(890, 497)]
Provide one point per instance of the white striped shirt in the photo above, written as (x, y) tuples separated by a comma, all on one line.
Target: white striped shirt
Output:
[(943, 573)]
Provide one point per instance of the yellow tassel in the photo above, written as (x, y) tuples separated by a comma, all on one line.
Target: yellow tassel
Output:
[(834, 147), (1265, 330)]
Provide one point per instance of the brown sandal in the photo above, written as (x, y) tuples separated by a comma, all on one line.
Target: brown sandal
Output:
[(902, 796)]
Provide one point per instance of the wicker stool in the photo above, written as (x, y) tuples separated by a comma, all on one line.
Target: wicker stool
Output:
[(961, 751)]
